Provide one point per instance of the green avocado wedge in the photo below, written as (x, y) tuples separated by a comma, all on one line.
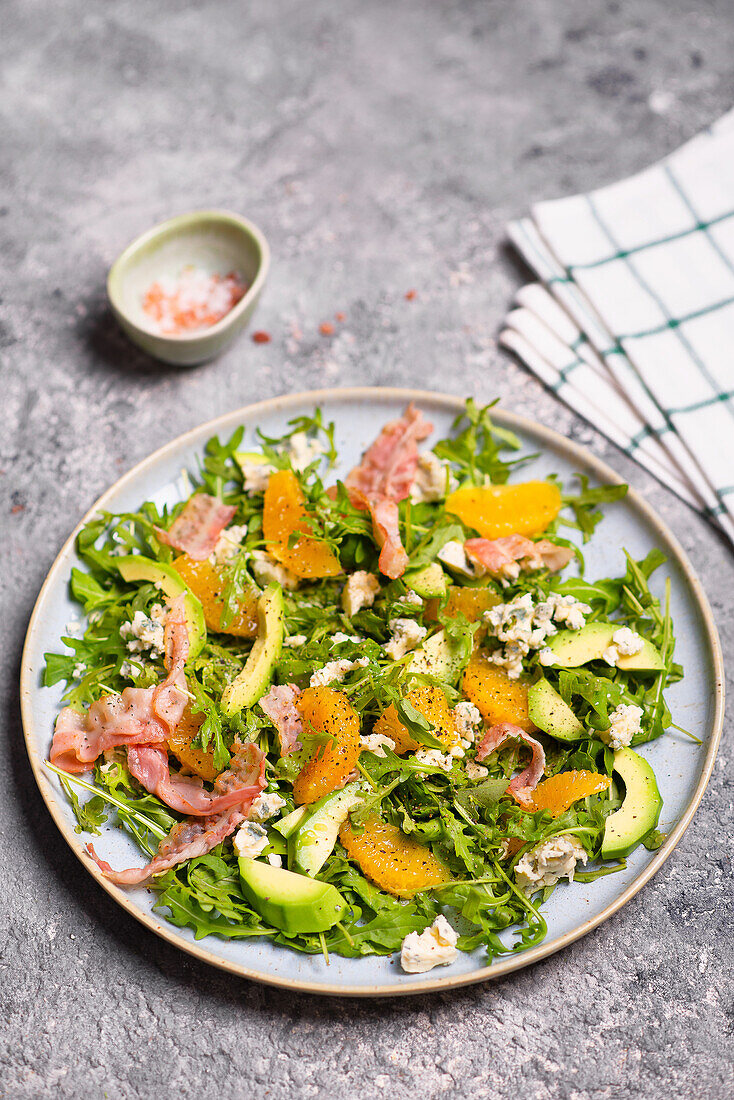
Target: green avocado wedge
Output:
[(572, 648), (288, 824), (438, 657), (313, 841), (254, 679), (430, 582), (548, 711), (135, 567), (294, 903), (640, 810)]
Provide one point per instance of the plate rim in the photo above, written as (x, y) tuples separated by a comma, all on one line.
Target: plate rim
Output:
[(507, 419)]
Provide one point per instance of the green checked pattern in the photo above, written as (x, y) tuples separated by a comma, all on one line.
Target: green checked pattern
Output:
[(643, 272)]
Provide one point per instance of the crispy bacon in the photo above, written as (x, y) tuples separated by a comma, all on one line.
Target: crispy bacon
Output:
[(389, 466), (280, 706), (520, 785), (385, 526), (238, 786), (196, 530), (137, 716), (495, 555), (186, 840)]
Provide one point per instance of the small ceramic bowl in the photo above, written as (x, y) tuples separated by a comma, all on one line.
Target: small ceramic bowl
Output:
[(215, 240)]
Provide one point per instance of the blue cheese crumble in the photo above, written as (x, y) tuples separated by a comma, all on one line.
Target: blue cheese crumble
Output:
[(434, 947), (523, 625), (250, 840), (625, 721), (548, 862), (146, 632)]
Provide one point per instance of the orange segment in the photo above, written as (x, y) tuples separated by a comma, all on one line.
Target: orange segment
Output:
[(179, 743), (497, 510), (393, 861), (431, 702), (207, 583), (560, 791), (469, 602), (327, 711), (494, 694), (284, 513)]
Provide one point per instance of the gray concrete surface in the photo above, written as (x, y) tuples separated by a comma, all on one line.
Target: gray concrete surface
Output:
[(382, 147)]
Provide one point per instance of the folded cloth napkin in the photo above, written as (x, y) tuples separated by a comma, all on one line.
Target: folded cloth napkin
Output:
[(632, 323)]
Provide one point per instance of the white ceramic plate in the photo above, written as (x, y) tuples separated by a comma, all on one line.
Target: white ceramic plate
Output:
[(682, 767)]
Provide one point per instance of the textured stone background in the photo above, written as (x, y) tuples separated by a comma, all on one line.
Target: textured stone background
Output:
[(381, 146)]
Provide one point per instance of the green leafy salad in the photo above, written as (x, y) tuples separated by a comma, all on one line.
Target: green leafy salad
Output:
[(381, 714)]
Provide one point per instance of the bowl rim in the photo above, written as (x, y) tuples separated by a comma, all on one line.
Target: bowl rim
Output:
[(212, 215), (171, 934)]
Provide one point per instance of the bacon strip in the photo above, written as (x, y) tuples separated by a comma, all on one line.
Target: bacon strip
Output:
[(523, 784), (495, 555), (186, 840), (238, 786), (196, 530), (137, 716), (383, 478), (386, 529), (389, 466), (280, 706)]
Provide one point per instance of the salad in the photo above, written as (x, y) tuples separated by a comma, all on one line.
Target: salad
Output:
[(382, 714)]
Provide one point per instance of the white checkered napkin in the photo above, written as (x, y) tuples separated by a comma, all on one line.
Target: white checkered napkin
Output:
[(641, 432), (568, 364), (645, 268)]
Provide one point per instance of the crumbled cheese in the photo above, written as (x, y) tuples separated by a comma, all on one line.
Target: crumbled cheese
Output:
[(454, 556), (255, 474), (434, 758), (80, 669), (360, 591), (468, 720), (570, 612), (626, 721), (376, 743), (265, 806), (336, 670), (228, 544), (434, 947), (274, 859), (250, 840), (339, 637), (625, 643), (476, 771), (267, 569), (522, 625), (145, 633), (412, 598), (295, 641), (433, 479), (304, 451), (406, 635), (549, 861), (129, 670), (73, 627)]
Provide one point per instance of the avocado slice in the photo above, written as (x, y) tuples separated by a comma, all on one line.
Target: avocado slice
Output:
[(548, 711), (135, 567), (254, 679), (429, 582), (572, 648), (291, 902), (288, 824), (640, 810), (438, 656), (314, 839)]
